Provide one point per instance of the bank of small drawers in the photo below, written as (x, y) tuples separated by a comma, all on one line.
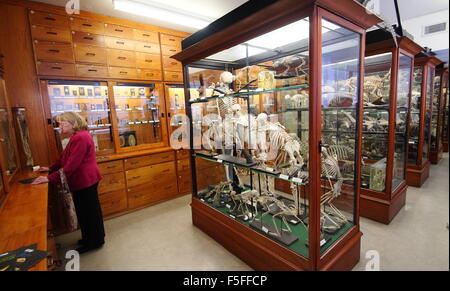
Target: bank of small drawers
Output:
[(48, 19), (87, 25), (55, 69), (112, 182)]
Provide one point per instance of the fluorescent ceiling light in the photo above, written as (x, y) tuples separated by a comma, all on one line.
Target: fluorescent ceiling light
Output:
[(152, 11)]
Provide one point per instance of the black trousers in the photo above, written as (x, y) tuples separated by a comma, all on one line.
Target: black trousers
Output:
[(90, 218)]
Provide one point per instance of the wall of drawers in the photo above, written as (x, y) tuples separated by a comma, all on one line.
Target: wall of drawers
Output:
[(78, 47)]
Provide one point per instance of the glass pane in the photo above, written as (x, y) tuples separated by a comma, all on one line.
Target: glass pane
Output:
[(377, 88), (436, 104), (177, 108), (446, 109), (401, 130), (414, 122), (250, 113), (88, 99), (428, 114), (340, 100), (6, 141), (138, 110)]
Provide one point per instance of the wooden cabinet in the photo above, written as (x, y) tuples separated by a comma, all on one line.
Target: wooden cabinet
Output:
[(168, 50), (146, 36), (88, 38), (164, 172), (122, 73), (91, 71), (118, 31), (51, 51), (87, 25), (170, 64), (121, 58), (50, 34), (55, 69), (171, 40), (173, 76), (185, 182), (153, 159), (183, 165), (90, 54), (48, 19), (148, 61), (150, 193), (147, 47), (111, 167)]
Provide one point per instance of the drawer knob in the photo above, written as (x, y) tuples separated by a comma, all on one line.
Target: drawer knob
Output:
[(148, 61), (134, 163), (146, 35), (56, 68), (147, 46), (92, 70), (168, 187), (122, 58), (165, 171), (109, 167), (120, 42), (91, 54), (136, 177), (119, 30), (123, 73)]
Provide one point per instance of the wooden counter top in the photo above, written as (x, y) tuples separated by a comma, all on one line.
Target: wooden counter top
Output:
[(23, 217)]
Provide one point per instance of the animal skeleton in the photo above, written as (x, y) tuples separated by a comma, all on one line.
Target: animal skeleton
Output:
[(284, 65)]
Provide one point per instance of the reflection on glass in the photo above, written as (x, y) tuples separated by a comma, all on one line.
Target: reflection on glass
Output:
[(268, 78), (403, 89), (340, 99), (428, 114), (436, 104), (446, 109), (138, 111), (88, 99), (414, 122), (376, 121), (6, 143)]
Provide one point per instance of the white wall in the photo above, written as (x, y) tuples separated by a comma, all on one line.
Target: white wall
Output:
[(437, 41)]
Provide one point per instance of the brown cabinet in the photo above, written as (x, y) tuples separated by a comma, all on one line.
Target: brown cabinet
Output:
[(113, 202), (119, 43), (87, 25), (55, 69), (146, 36), (111, 182), (121, 58), (118, 31), (150, 193), (122, 73), (111, 167), (90, 54), (143, 74), (183, 165), (148, 61), (87, 38), (48, 19), (50, 34), (91, 71), (51, 51), (173, 76), (184, 182), (170, 64)]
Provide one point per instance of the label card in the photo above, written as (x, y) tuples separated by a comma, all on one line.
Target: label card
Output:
[(286, 177), (265, 229)]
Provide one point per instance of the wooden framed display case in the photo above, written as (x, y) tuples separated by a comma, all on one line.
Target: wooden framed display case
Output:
[(420, 120), (387, 94), (445, 126), (291, 65), (440, 81)]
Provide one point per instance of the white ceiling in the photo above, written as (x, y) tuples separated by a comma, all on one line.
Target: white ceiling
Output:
[(213, 9)]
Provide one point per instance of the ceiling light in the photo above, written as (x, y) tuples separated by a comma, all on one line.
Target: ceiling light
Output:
[(152, 11)]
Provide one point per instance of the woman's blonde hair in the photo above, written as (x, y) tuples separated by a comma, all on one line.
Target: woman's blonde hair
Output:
[(78, 122)]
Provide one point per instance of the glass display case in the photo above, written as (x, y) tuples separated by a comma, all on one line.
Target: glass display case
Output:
[(445, 126), (8, 155), (387, 91), (254, 125), (139, 110), (89, 99), (437, 148), (420, 119)]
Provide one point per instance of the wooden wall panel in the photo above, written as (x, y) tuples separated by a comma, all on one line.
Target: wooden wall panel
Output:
[(21, 80)]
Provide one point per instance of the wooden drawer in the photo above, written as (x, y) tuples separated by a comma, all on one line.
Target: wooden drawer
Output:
[(90, 54), (183, 165), (171, 40), (148, 61), (173, 76), (120, 58), (122, 73), (87, 25), (185, 182), (90, 71), (150, 193), (48, 19), (147, 36), (119, 31), (159, 173), (183, 154), (111, 167), (54, 52), (143, 74), (50, 34), (113, 202), (170, 64), (138, 162), (87, 38), (55, 69), (147, 47), (112, 182), (119, 43), (168, 50)]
